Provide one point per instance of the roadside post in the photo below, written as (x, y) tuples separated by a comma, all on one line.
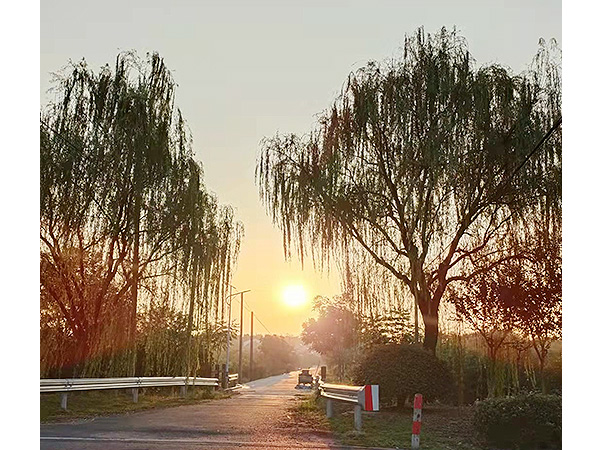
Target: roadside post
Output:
[(416, 427), (329, 408), (357, 417)]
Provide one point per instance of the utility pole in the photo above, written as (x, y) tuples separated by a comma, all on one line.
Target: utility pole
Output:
[(241, 337), (251, 344), (229, 297), (226, 374)]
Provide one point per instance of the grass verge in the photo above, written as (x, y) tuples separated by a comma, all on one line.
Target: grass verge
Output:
[(307, 413), (443, 427), (99, 403)]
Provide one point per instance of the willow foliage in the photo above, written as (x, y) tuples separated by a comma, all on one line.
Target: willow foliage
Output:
[(417, 164), (125, 218)]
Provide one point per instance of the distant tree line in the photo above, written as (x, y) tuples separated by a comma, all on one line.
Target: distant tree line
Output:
[(136, 255), (272, 355)]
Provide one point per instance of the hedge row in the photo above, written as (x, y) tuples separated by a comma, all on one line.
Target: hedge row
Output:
[(523, 421)]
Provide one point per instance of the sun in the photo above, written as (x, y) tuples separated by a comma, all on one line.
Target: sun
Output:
[(294, 295)]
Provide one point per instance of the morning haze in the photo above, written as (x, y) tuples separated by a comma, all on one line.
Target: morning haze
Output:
[(246, 70), (301, 224)]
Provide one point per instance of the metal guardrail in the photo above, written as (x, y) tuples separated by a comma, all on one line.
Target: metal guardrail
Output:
[(232, 382), (362, 397), (66, 385), (340, 392), (87, 384)]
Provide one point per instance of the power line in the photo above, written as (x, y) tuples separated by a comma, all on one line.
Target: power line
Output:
[(255, 316), (498, 190), (259, 321), (539, 144)]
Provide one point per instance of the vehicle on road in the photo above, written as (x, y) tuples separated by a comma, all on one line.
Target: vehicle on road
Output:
[(305, 378)]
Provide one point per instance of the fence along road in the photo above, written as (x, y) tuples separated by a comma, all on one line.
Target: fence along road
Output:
[(255, 418)]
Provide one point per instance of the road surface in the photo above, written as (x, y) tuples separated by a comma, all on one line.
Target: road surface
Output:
[(253, 419)]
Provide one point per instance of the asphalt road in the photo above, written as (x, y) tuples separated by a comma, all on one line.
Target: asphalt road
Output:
[(255, 418)]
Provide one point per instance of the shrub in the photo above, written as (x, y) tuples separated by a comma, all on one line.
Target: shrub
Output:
[(523, 421), (402, 370)]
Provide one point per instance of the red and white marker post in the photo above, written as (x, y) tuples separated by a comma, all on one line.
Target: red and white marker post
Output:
[(368, 400), (371, 397), (417, 414)]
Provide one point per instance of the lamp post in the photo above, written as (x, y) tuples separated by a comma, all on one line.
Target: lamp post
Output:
[(229, 297)]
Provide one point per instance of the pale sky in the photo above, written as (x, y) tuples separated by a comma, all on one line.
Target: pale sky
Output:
[(248, 69)]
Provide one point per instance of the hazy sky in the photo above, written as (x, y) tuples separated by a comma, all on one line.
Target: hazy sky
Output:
[(248, 69)]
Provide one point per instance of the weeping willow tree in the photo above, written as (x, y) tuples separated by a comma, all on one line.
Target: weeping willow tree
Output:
[(210, 246), (417, 164), (123, 211)]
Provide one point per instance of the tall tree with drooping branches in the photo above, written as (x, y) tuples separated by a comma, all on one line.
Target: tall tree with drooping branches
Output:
[(125, 216), (422, 163)]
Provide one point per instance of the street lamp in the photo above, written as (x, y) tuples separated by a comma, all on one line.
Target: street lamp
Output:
[(229, 297)]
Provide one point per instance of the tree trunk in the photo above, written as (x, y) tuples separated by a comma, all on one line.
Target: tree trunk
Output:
[(461, 371), (492, 377), (541, 349), (135, 269), (428, 305), (430, 321), (190, 322), (542, 357)]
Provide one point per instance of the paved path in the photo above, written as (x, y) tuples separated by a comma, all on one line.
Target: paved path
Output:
[(253, 419)]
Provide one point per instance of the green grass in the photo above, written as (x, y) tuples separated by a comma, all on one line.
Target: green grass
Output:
[(97, 403), (443, 427), (307, 412)]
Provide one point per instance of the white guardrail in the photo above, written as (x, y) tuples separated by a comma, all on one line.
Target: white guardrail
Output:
[(362, 397), (66, 385)]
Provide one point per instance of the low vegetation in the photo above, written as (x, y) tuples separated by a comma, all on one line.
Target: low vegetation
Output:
[(444, 427), (521, 422), (96, 403), (404, 370), (524, 421)]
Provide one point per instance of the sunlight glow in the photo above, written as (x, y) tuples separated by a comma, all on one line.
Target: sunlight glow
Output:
[(294, 296)]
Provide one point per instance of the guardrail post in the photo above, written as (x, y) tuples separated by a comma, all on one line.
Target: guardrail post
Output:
[(63, 401), (183, 391), (329, 408), (416, 428), (357, 417), (225, 375), (134, 393), (324, 373)]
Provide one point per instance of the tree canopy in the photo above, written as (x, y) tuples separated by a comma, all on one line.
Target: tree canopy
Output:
[(124, 214), (424, 163)]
